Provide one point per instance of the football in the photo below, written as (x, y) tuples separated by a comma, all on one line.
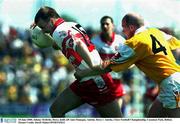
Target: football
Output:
[(42, 40)]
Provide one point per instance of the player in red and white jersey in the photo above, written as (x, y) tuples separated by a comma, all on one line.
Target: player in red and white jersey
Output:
[(106, 44), (71, 38)]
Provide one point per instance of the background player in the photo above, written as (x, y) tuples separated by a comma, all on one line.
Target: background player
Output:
[(106, 43)]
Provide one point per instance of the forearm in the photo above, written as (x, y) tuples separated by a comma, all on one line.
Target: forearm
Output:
[(89, 72), (96, 72), (92, 58), (174, 43)]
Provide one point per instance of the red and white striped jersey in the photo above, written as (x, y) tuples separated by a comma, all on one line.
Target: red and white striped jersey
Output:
[(66, 35), (107, 49)]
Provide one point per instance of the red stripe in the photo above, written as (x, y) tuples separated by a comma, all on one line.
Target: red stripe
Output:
[(90, 46), (77, 57), (57, 23), (64, 42)]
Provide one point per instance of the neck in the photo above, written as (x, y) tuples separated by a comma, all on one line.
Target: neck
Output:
[(107, 36), (56, 22)]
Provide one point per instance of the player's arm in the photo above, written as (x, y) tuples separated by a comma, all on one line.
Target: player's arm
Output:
[(105, 67), (173, 42), (122, 60), (92, 58)]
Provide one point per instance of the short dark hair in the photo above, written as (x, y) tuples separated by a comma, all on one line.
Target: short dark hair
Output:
[(133, 19), (45, 13), (106, 17)]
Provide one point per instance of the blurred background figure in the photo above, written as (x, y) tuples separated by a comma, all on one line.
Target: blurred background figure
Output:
[(106, 42)]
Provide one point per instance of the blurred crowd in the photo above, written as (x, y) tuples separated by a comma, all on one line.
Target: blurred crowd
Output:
[(29, 75)]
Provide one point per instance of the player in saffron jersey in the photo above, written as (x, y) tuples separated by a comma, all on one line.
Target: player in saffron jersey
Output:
[(98, 91), (150, 50), (106, 43)]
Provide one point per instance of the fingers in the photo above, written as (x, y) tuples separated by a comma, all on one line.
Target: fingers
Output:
[(105, 64)]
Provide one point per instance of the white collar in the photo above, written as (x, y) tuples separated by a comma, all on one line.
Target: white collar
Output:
[(141, 29)]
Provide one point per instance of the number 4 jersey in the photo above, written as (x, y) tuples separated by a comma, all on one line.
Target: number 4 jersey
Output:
[(151, 53)]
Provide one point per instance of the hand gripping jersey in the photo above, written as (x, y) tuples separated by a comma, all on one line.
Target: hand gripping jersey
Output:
[(96, 90), (151, 53)]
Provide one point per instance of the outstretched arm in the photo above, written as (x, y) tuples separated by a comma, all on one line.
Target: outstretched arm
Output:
[(173, 42), (119, 62), (79, 74)]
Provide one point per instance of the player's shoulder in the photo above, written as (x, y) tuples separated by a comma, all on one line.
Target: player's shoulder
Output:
[(61, 31), (119, 38), (64, 28), (148, 33)]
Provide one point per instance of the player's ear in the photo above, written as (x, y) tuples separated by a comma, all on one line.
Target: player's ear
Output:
[(132, 27)]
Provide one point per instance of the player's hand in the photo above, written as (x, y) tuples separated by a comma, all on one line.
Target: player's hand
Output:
[(105, 64)]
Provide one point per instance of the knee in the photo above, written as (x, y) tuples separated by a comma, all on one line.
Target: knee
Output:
[(52, 109), (55, 111)]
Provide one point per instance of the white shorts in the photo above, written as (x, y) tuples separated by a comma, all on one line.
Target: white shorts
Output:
[(169, 90)]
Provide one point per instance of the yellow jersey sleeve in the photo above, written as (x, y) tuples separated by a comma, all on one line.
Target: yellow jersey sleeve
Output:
[(174, 43)]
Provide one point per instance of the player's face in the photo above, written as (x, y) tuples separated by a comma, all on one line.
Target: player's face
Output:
[(46, 27), (107, 26), (127, 30)]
